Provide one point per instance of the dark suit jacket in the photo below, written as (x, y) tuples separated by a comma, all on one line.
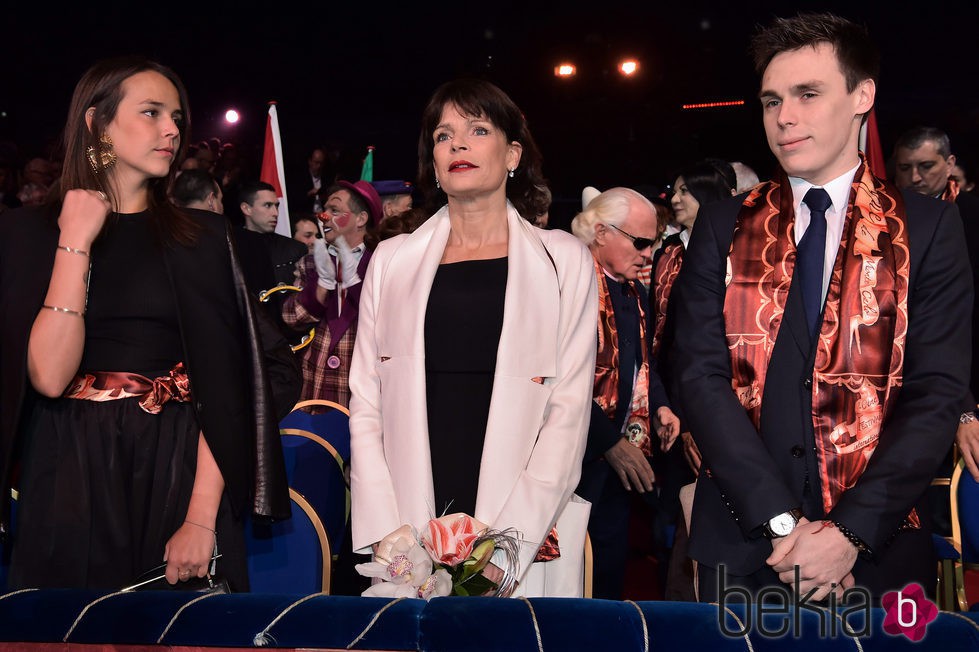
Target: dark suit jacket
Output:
[(968, 205), (603, 433), (230, 401), (754, 477)]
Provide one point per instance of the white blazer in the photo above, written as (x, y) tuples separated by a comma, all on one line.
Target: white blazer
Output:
[(535, 434)]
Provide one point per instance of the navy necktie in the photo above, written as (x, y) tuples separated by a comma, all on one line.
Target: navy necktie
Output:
[(811, 255)]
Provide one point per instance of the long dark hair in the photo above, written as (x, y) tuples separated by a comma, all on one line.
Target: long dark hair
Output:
[(101, 87), (527, 190)]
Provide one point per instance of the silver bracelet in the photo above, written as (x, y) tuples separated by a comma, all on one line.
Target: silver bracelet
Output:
[(968, 417), (510, 548)]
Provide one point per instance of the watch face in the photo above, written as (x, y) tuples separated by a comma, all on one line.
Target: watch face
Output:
[(782, 524)]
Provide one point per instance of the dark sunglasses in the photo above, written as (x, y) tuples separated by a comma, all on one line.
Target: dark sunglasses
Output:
[(638, 243)]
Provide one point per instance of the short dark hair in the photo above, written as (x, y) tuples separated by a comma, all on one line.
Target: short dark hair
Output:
[(478, 97), (304, 218), (356, 201), (856, 52), (917, 136), (193, 185), (405, 222), (249, 189)]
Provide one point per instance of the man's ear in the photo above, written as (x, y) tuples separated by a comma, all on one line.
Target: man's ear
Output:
[(363, 217), (246, 208), (601, 231), (865, 92)]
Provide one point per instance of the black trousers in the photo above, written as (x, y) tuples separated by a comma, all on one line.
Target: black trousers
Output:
[(608, 527)]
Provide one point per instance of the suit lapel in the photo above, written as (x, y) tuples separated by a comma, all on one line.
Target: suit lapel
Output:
[(794, 318), (527, 354), (409, 278), (532, 297), (532, 306)]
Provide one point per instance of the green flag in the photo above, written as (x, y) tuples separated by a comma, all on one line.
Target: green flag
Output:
[(367, 172)]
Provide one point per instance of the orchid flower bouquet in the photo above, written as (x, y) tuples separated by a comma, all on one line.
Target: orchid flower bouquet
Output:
[(450, 558)]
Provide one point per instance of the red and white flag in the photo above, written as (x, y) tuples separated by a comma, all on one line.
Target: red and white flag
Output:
[(870, 146), (273, 171)]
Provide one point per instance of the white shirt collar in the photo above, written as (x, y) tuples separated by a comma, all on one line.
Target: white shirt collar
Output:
[(358, 250), (838, 190), (839, 193), (685, 237)]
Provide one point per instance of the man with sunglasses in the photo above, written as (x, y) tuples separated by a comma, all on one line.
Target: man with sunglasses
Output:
[(630, 410)]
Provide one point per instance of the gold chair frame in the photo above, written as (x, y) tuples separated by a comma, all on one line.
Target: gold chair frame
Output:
[(958, 567), (264, 296), (301, 500), (325, 550), (589, 565)]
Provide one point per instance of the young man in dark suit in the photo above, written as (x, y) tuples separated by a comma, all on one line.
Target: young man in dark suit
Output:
[(822, 343)]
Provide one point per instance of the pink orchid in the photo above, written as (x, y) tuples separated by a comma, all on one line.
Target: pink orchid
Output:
[(437, 585), (409, 565), (450, 539)]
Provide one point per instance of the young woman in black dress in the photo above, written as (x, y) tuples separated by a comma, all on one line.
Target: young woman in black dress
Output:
[(135, 389)]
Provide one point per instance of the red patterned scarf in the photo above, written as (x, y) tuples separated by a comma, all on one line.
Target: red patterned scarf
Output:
[(951, 192), (667, 267), (860, 349), (607, 367)]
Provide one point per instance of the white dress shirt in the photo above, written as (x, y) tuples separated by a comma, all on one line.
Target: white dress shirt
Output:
[(839, 193)]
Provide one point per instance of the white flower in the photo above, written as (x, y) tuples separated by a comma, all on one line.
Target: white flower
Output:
[(410, 564), (390, 590), (437, 584)]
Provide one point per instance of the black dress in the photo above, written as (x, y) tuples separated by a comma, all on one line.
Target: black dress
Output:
[(105, 484), (463, 322)]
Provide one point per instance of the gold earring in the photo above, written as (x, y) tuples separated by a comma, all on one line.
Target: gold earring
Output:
[(106, 155), (92, 159)]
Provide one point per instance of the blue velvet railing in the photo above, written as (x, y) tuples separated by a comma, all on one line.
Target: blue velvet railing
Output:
[(485, 624)]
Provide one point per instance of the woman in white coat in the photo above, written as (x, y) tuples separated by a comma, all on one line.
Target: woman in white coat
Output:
[(475, 355)]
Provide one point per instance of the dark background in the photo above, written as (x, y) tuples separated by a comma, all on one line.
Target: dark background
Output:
[(358, 74)]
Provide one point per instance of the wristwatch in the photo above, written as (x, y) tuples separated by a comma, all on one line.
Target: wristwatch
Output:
[(782, 524)]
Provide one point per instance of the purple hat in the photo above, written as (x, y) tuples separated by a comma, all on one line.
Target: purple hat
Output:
[(366, 191), (393, 187)]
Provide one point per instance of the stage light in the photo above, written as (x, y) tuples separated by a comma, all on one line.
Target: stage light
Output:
[(231, 116), (565, 70), (628, 67)]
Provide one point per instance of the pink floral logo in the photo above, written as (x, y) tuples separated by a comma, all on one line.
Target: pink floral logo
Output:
[(908, 612)]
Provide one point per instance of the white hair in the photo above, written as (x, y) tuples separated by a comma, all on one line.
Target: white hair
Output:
[(610, 207)]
